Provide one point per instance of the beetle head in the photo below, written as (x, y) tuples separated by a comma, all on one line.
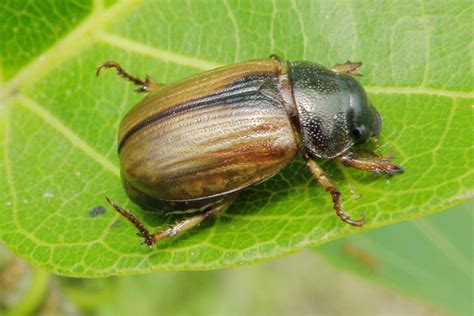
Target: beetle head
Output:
[(333, 110), (364, 119)]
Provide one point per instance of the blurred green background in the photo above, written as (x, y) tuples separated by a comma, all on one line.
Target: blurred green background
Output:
[(421, 267)]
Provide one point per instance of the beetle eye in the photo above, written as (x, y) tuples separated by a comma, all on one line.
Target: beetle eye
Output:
[(359, 134)]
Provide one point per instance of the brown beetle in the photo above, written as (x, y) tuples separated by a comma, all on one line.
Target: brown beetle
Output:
[(196, 143)]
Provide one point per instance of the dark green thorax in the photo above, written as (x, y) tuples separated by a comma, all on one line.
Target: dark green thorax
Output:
[(333, 109)]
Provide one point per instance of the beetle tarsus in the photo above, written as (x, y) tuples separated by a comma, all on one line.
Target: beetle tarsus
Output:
[(372, 163), (147, 85), (142, 231), (120, 71), (336, 200), (319, 174), (348, 67)]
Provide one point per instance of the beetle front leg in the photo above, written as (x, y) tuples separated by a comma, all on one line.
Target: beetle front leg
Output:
[(147, 85), (374, 163), (319, 174)]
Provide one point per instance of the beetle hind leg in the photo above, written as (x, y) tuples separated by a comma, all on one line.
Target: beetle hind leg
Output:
[(147, 85), (193, 221), (319, 174), (142, 231), (179, 227)]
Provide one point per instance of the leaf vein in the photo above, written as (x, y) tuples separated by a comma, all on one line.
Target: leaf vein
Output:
[(75, 140), (202, 64), (65, 48), (157, 53), (303, 32), (230, 14)]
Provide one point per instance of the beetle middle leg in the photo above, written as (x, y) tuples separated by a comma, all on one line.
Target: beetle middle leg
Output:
[(147, 85), (179, 227), (348, 67), (319, 174), (282, 64)]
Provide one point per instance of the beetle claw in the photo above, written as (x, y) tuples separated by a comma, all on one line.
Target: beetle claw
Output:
[(394, 169), (336, 201), (354, 222)]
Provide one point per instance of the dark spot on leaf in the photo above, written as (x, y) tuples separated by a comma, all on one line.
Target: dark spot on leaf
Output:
[(96, 211)]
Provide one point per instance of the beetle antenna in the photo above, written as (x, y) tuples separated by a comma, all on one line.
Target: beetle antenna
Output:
[(121, 72), (142, 231)]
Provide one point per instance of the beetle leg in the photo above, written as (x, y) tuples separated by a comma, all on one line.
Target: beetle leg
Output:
[(373, 163), (319, 174), (184, 225), (142, 231), (282, 65), (277, 58), (348, 67), (192, 221), (147, 85)]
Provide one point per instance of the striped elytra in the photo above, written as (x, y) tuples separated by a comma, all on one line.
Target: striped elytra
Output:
[(196, 143), (209, 135)]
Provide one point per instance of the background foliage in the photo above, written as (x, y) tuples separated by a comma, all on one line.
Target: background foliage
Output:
[(58, 122), (428, 258)]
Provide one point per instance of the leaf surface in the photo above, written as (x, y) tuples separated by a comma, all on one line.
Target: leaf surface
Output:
[(59, 123)]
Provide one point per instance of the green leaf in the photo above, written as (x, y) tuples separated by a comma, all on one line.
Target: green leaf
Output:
[(429, 258), (59, 123)]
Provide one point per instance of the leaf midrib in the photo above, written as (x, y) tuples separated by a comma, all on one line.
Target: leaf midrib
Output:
[(75, 42)]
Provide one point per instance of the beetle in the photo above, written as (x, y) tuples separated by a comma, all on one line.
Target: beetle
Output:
[(196, 143)]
